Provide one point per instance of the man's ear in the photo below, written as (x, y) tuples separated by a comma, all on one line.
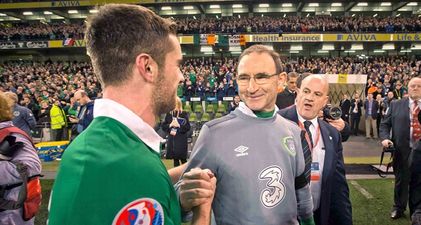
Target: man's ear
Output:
[(146, 67), (281, 79)]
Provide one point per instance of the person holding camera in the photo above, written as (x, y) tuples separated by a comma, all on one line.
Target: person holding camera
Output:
[(401, 129), (328, 184)]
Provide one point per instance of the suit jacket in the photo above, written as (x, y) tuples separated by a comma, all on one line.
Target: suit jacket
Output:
[(345, 106), (359, 105), (285, 99), (397, 120), (335, 206), (374, 108)]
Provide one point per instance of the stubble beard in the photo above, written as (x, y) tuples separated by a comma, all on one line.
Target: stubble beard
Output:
[(163, 100)]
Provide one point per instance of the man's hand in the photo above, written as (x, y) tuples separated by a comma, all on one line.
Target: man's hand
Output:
[(174, 123), (339, 124), (197, 188), (386, 143), (73, 120)]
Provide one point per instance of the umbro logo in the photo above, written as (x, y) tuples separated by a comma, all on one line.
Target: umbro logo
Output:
[(241, 150)]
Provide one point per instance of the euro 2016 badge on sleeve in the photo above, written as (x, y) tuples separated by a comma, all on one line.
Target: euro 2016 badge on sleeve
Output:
[(143, 211)]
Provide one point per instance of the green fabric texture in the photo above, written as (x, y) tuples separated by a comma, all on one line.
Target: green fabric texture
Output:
[(105, 168), (309, 221), (264, 114)]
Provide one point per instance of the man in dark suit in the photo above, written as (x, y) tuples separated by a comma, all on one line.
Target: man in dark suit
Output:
[(401, 121), (371, 106), (287, 97), (345, 105), (328, 183), (356, 105), (415, 183)]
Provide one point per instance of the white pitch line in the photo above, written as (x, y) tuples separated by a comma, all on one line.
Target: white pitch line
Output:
[(361, 189)]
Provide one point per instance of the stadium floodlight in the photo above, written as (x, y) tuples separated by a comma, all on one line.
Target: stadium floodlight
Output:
[(336, 4), (412, 4), (208, 53), (379, 51), (386, 4), (375, 15), (388, 46), (349, 51), (357, 47), (313, 4), (27, 13), (236, 53), (353, 15), (308, 14), (322, 51), (285, 15), (327, 47), (72, 11), (406, 51), (237, 6), (2, 14), (206, 49), (92, 11), (166, 8), (287, 5), (362, 4), (296, 48), (188, 7), (235, 49), (48, 13), (416, 47), (214, 6), (263, 5), (398, 15), (294, 51)]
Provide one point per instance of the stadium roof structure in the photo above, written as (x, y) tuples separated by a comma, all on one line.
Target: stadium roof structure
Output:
[(68, 10)]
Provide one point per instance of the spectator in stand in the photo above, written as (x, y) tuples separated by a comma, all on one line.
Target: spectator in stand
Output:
[(356, 105), (23, 118), (287, 97), (86, 111), (58, 122)]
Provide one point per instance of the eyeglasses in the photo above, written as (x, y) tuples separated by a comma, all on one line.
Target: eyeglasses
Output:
[(260, 78)]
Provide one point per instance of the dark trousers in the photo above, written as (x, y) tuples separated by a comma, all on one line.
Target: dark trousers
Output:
[(355, 122), (177, 162), (415, 183), (58, 134), (402, 178)]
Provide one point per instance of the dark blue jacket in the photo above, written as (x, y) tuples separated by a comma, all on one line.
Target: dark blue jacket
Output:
[(23, 119), (335, 206), (86, 119)]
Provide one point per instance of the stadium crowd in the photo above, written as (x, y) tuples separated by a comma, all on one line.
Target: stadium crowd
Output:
[(233, 25), (39, 85)]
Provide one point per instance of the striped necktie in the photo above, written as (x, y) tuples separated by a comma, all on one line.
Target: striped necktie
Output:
[(415, 124), (307, 156)]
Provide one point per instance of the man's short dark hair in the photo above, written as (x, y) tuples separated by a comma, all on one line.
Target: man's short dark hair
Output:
[(118, 33), (292, 75), (260, 49)]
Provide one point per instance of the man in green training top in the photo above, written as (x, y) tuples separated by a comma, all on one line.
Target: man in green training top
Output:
[(112, 172)]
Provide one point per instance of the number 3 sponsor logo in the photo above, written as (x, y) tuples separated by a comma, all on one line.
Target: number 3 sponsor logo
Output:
[(275, 191)]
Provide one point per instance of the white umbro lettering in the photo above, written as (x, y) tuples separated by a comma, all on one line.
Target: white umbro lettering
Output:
[(242, 150)]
